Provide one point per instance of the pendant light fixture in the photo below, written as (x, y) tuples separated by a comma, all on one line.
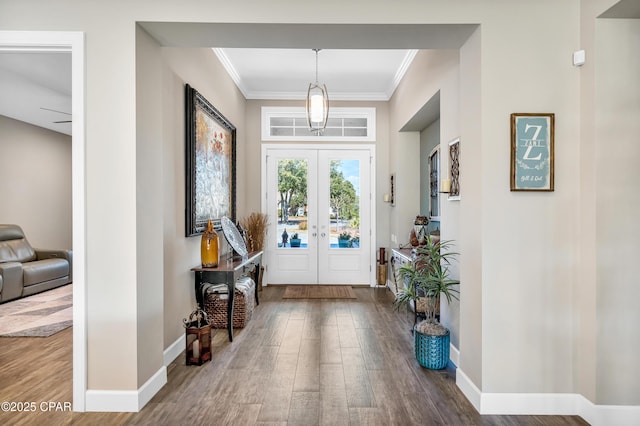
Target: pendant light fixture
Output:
[(317, 104)]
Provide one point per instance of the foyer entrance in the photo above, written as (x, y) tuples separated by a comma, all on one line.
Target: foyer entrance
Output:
[(319, 203)]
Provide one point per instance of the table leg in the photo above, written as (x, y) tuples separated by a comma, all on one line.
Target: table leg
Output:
[(256, 279), (198, 289), (232, 291)]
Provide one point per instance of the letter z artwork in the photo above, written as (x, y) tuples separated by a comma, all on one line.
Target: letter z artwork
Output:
[(532, 151)]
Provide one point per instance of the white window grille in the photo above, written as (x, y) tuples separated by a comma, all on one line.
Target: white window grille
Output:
[(344, 124)]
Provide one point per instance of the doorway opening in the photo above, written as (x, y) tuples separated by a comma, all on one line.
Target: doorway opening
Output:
[(49, 41)]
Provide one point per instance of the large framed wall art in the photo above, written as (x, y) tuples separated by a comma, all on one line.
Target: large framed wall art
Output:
[(210, 164), (532, 151)]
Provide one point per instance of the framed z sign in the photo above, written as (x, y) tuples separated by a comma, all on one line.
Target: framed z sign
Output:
[(532, 152)]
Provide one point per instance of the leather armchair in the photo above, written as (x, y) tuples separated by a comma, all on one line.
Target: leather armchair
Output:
[(25, 270)]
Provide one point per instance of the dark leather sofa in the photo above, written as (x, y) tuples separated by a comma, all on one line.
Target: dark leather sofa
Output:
[(25, 271)]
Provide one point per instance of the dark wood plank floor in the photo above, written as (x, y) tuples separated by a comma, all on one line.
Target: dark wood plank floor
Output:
[(298, 362)]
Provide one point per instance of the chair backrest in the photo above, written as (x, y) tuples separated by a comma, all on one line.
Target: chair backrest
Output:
[(14, 246)]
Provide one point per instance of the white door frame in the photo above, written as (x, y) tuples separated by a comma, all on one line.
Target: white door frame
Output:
[(333, 146), (74, 42)]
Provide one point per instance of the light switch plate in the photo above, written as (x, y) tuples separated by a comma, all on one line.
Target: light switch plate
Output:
[(579, 57)]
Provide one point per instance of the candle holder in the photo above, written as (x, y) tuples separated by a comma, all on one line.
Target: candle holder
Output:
[(197, 337), (445, 186)]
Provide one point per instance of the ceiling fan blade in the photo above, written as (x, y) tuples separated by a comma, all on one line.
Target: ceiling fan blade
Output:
[(54, 110), (64, 121)]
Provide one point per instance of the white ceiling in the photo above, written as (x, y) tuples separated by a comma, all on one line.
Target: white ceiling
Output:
[(349, 74), (36, 88)]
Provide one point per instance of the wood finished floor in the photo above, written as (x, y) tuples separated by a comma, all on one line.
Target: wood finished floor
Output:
[(298, 362)]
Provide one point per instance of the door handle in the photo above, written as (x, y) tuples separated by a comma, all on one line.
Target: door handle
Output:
[(323, 235), (314, 234)]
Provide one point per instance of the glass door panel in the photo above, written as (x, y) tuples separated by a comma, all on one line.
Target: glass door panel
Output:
[(291, 197), (344, 255), (344, 203), (291, 203)]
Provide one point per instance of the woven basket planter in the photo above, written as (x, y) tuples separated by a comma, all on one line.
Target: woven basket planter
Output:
[(432, 352)]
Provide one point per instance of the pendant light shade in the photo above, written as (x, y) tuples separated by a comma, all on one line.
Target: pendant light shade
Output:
[(317, 104)]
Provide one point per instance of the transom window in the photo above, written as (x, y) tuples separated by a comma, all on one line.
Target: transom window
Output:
[(344, 124)]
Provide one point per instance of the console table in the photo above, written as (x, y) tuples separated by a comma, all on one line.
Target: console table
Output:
[(399, 256), (228, 272)]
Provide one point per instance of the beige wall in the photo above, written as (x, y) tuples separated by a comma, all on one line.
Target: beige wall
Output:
[(617, 208), (429, 138), (432, 72), (527, 331), (499, 245), (583, 288), (471, 231), (201, 69), (601, 315), (523, 255), (149, 201), (35, 182)]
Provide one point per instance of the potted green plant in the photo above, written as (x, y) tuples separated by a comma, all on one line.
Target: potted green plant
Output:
[(426, 280), (295, 240), (344, 239)]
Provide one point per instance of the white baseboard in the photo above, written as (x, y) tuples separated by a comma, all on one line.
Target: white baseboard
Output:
[(529, 403), (565, 404), (152, 387), (454, 355), (469, 389), (133, 401), (174, 350), (126, 401), (618, 415)]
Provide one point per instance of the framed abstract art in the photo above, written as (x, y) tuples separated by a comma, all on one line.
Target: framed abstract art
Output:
[(210, 164)]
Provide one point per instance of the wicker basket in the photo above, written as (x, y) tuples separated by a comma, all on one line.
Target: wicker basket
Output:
[(421, 305), (432, 351), (215, 305)]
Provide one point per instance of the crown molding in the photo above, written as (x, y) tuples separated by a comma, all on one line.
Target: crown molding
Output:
[(301, 95), (228, 66), (333, 96), (402, 70)]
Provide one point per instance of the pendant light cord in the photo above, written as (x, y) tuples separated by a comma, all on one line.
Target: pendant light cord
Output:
[(316, 50)]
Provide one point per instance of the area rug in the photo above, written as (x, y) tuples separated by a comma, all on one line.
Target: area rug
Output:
[(40, 315), (319, 292)]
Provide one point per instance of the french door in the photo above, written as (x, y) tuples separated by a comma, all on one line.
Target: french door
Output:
[(319, 204)]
